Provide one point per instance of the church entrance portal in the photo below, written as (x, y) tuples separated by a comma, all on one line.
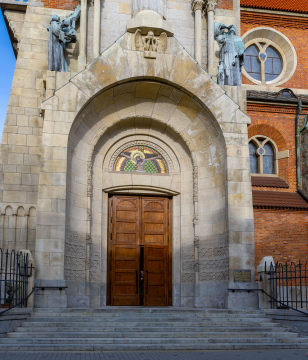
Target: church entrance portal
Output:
[(139, 251)]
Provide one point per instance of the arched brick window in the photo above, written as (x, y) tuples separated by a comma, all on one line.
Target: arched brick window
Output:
[(263, 156)]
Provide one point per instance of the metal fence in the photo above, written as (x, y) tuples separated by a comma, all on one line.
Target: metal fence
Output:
[(14, 274), (289, 285)]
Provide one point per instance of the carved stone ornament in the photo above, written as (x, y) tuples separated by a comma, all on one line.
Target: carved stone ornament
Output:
[(211, 5), (150, 44), (197, 4)]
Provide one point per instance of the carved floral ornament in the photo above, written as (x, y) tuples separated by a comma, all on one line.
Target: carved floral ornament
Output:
[(211, 5), (197, 4), (150, 44)]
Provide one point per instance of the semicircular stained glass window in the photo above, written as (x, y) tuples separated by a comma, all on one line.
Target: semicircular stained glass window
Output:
[(142, 159)]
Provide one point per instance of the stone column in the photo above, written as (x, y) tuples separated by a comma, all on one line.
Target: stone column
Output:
[(97, 25), (82, 59), (210, 8), (197, 8)]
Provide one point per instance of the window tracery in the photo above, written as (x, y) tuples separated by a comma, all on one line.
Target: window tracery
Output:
[(263, 156), (270, 57)]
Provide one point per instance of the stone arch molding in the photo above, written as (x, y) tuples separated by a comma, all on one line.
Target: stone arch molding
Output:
[(121, 97)]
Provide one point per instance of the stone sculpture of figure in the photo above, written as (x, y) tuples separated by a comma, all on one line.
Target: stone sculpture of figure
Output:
[(60, 34), (157, 5), (150, 42), (231, 57)]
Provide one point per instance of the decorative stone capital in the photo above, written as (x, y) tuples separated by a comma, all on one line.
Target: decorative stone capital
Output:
[(210, 5), (197, 4)]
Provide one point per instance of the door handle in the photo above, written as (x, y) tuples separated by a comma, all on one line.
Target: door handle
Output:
[(146, 291), (136, 281)]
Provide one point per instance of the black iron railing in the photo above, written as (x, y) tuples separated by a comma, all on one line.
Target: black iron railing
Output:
[(14, 274), (288, 285)]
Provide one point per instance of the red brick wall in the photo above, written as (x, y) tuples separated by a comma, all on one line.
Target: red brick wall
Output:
[(282, 234), (61, 4), (279, 125), (225, 4), (295, 29)]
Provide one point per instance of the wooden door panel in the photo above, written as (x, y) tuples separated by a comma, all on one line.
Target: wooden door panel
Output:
[(125, 220), (125, 275), (156, 279), (154, 221), (136, 222)]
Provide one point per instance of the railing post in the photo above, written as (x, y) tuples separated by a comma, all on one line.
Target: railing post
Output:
[(264, 275), (31, 274)]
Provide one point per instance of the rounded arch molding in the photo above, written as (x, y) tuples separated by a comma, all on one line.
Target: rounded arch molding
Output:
[(206, 131)]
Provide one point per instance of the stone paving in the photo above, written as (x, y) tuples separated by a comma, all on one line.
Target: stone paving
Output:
[(166, 355)]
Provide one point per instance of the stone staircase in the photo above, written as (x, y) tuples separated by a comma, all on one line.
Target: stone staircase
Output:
[(131, 328)]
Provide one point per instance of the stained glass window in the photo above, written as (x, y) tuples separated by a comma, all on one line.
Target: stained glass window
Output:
[(273, 64), (268, 159), (253, 158), (271, 58), (143, 159), (252, 64)]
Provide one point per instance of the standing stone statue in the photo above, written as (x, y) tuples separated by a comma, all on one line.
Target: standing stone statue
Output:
[(157, 5), (231, 57), (60, 34)]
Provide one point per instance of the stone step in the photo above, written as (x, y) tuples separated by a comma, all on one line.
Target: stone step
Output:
[(147, 316), (192, 329), (161, 324), (148, 329), (151, 312), (147, 335), (129, 309), (141, 340), (136, 321), (153, 347)]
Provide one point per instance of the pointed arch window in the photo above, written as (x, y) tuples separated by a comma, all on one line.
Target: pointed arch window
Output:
[(263, 156)]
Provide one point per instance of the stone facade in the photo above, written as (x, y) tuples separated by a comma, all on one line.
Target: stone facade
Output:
[(63, 132)]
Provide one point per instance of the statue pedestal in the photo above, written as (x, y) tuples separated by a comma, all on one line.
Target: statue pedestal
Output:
[(149, 20)]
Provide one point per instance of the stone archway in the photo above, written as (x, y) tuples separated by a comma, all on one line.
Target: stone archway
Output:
[(121, 95)]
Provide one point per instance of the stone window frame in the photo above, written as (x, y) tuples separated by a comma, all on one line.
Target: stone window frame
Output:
[(281, 44), (254, 139)]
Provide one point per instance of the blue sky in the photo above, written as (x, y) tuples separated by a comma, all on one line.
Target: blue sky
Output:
[(7, 67)]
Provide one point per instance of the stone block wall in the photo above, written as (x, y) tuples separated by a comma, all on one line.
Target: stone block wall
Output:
[(21, 145)]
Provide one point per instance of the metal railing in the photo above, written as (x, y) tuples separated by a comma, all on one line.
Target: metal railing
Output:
[(14, 274), (288, 285)]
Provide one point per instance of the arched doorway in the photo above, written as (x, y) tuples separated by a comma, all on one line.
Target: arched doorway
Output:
[(139, 251)]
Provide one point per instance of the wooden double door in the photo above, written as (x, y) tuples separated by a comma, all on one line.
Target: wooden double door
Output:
[(139, 251)]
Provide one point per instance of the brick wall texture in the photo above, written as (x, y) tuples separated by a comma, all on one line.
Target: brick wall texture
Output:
[(278, 125), (225, 4), (282, 234), (61, 4)]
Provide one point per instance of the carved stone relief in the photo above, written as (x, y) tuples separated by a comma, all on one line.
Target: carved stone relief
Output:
[(214, 258), (75, 256), (150, 44)]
